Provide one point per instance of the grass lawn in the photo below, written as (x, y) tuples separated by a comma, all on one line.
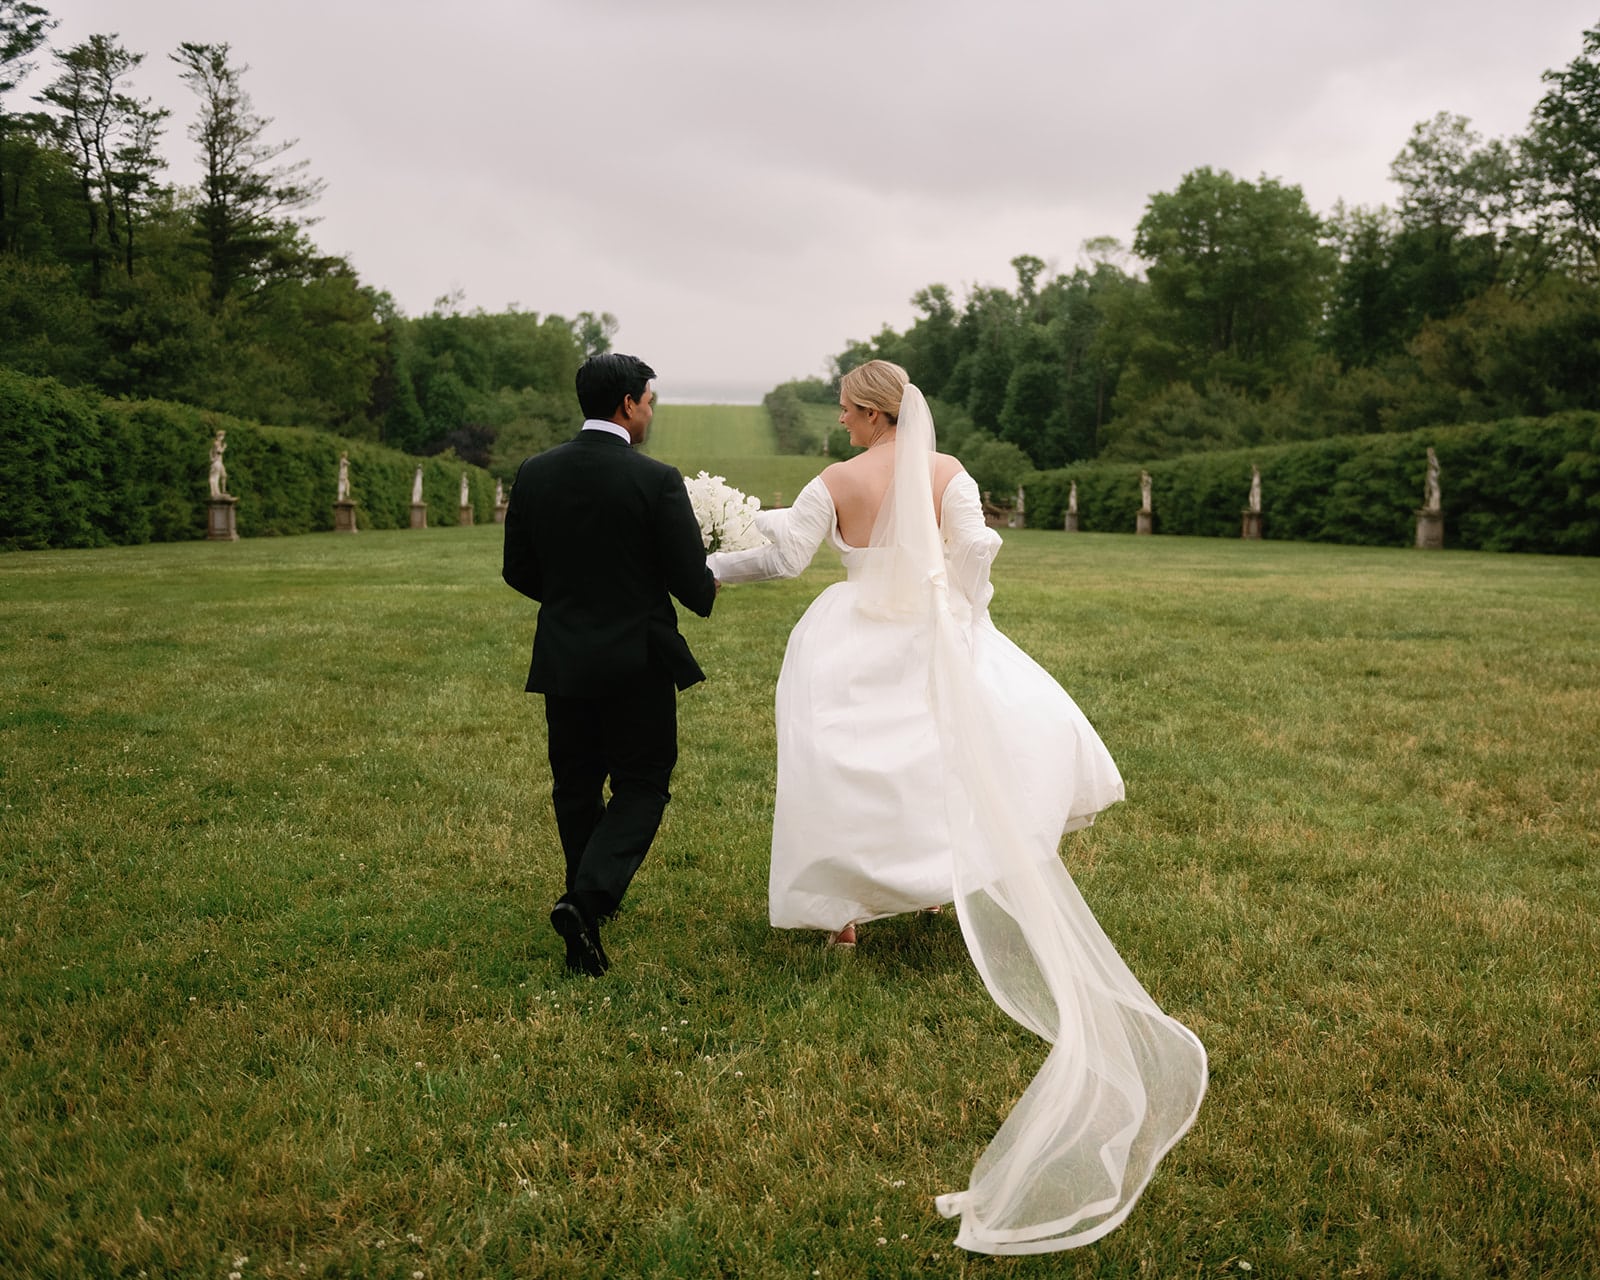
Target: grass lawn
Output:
[(277, 983), (734, 442), (711, 431)]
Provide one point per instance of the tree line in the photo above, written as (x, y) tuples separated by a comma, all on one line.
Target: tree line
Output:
[(1256, 321), (113, 278)]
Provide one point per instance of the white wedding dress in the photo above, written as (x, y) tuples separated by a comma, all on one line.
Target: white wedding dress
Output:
[(924, 758), (859, 828)]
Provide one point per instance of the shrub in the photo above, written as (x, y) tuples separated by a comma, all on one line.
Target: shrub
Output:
[(791, 424), (997, 466), (78, 470), (1518, 485)]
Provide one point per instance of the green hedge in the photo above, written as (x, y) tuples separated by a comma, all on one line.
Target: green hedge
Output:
[(78, 470), (1518, 485)]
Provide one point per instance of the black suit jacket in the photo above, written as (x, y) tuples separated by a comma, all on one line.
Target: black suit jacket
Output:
[(601, 535)]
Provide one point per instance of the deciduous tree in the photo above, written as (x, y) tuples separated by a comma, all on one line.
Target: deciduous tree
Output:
[(1238, 274), (1563, 149)]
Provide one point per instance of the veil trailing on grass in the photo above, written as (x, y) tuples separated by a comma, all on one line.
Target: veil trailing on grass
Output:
[(1122, 1081)]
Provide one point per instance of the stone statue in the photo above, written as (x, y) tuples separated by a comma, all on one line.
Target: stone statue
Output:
[(219, 473), (1430, 492), (1072, 498), (1255, 489), (1144, 489), (466, 492), (416, 487), (499, 493), (344, 478)]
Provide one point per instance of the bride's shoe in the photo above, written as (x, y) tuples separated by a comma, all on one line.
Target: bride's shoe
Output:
[(845, 939)]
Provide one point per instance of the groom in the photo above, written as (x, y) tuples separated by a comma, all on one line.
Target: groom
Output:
[(601, 536)]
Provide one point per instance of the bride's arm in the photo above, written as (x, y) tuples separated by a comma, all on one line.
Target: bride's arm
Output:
[(795, 532), (970, 545)]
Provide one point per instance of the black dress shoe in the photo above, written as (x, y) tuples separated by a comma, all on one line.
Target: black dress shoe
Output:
[(584, 953)]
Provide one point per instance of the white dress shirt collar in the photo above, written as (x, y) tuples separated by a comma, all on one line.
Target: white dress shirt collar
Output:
[(598, 424)]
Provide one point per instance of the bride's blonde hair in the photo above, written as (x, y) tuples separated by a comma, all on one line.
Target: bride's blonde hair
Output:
[(879, 385)]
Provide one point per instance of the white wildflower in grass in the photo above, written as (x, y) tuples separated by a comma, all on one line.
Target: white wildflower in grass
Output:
[(727, 517)]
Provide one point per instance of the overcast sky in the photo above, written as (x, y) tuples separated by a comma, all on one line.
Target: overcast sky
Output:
[(748, 184)]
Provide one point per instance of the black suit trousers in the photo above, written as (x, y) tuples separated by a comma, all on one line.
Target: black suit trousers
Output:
[(630, 738)]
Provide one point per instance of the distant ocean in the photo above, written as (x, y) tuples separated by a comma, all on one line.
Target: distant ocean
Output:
[(669, 392)]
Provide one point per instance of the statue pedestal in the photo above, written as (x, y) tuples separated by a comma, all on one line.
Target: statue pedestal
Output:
[(500, 512), (1251, 525), (344, 516), (1145, 525), (220, 525), (419, 515), (1430, 528), (466, 516), (1071, 522)]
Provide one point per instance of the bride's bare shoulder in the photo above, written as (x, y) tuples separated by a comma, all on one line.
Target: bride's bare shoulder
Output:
[(945, 469), (847, 471), (839, 479)]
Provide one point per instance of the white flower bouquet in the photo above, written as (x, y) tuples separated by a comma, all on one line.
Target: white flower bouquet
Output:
[(727, 517)]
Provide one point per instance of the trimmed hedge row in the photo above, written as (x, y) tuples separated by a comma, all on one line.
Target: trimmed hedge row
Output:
[(1519, 485), (78, 470)]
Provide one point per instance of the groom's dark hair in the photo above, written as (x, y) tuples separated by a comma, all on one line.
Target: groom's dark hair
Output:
[(604, 382)]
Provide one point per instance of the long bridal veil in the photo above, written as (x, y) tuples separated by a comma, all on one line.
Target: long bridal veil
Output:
[(1122, 1081)]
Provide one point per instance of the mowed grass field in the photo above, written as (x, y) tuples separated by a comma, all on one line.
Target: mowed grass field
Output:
[(735, 442), (278, 995)]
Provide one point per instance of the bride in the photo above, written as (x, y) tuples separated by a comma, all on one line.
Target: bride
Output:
[(923, 757)]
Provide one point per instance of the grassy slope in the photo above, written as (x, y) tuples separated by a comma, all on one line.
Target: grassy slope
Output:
[(735, 442), (277, 982)]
